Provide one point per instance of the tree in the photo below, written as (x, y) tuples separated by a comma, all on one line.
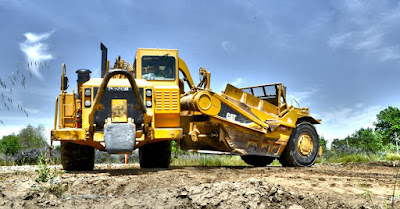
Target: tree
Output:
[(388, 124), (365, 139), (339, 144), (10, 145), (32, 137), (322, 143)]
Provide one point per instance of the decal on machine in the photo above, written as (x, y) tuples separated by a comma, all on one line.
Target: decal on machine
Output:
[(118, 88), (232, 115)]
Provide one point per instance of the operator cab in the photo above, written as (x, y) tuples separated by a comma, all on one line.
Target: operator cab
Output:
[(157, 66)]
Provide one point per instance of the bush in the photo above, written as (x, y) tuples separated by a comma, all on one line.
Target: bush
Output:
[(392, 156), (29, 157), (44, 173), (10, 145)]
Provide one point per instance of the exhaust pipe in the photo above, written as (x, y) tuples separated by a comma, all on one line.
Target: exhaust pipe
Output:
[(103, 59)]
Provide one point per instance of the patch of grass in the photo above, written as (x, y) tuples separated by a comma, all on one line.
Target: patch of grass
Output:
[(46, 175), (392, 156), (276, 163), (366, 195), (195, 159), (365, 185), (347, 158), (56, 189), (5, 160), (355, 158)]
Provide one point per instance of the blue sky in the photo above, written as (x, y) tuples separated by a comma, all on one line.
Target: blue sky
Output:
[(340, 58)]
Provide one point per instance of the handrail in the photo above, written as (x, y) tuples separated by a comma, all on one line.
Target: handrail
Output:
[(109, 74), (55, 115)]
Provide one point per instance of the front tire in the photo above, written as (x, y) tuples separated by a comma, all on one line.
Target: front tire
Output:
[(155, 155), (302, 148), (76, 157), (257, 161)]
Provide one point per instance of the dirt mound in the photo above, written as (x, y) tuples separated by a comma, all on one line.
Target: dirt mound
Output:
[(252, 193)]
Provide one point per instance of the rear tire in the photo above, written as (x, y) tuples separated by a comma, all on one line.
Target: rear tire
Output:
[(256, 160), (76, 157), (155, 155), (298, 155)]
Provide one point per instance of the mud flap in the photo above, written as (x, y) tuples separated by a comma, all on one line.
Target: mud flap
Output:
[(119, 137)]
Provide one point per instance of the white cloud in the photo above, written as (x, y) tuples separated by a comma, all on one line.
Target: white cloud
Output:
[(222, 86), (368, 28), (237, 81), (339, 122), (36, 51), (8, 130), (338, 40), (301, 96), (32, 110), (226, 45)]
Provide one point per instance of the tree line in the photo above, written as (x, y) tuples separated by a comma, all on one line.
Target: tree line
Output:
[(383, 137)]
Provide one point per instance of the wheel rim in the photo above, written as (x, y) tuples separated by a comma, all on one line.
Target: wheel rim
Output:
[(305, 144)]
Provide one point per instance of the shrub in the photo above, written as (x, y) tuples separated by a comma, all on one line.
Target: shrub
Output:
[(28, 156), (392, 156), (43, 171)]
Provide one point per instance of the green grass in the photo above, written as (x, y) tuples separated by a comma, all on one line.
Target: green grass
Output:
[(194, 159), (359, 157), (392, 157), (347, 158)]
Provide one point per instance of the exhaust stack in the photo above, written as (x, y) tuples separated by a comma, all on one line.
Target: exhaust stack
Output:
[(103, 59)]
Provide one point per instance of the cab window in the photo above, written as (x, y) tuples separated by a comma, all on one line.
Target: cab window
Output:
[(158, 68)]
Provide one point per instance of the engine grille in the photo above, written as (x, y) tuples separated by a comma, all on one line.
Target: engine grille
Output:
[(166, 100)]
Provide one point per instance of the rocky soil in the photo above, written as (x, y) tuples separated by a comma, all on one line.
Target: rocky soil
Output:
[(351, 185)]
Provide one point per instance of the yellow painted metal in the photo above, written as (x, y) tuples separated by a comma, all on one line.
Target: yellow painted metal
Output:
[(305, 144), (166, 99), (55, 115), (185, 71), (166, 106), (98, 136), (167, 133), (67, 110), (248, 115), (64, 69), (68, 134), (157, 52), (270, 126), (119, 111), (207, 103)]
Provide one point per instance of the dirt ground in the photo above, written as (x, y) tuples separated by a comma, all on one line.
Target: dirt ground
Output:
[(353, 185)]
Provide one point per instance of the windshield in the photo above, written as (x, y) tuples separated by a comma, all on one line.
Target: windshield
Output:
[(158, 68)]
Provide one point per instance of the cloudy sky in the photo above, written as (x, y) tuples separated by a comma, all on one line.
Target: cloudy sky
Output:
[(340, 58)]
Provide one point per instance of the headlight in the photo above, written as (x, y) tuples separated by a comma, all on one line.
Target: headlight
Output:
[(88, 92), (149, 92), (87, 103), (148, 103)]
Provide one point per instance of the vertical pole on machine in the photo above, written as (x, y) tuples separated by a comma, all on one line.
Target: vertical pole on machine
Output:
[(103, 59), (126, 158)]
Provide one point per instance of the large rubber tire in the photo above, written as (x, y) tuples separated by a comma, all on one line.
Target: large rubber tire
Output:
[(155, 155), (76, 157), (292, 156), (256, 160)]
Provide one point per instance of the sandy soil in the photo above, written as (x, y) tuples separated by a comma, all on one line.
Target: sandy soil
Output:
[(352, 185)]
